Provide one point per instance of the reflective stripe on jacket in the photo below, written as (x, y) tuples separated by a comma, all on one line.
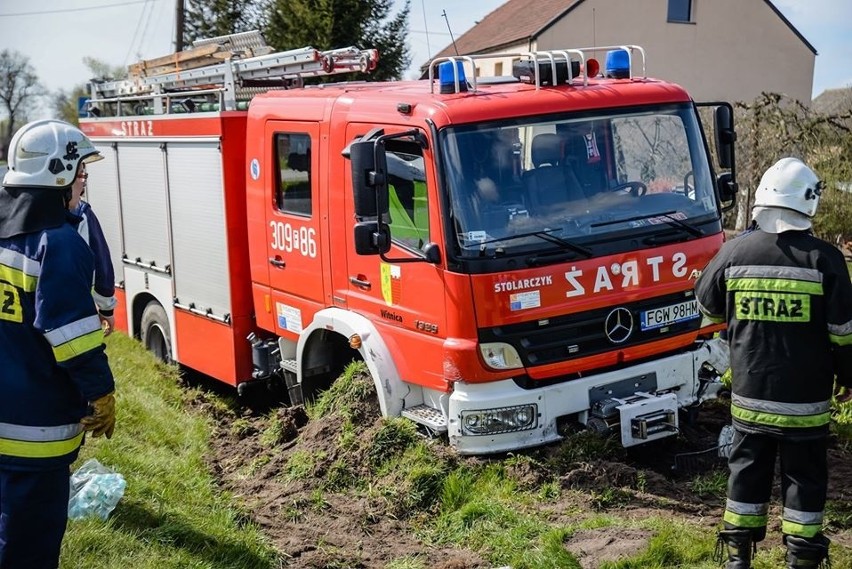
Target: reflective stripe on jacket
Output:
[(39, 442)]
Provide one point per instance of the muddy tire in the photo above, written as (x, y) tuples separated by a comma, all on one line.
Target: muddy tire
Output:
[(155, 331)]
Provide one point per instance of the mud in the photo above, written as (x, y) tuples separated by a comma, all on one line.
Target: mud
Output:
[(290, 474)]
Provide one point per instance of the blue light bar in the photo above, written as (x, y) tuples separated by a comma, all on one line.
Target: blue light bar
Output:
[(447, 79), (617, 64)]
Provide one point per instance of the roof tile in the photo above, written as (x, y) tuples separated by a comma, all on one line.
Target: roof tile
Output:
[(514, 21)]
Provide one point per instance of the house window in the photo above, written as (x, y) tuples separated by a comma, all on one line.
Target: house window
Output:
[(680, 11), (498, 69), (293, 156)]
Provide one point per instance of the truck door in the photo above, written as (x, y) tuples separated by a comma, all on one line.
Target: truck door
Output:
[(293, 220), (406, 300)]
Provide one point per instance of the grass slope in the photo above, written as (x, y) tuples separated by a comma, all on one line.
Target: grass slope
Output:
[(523, 510), (172, 515)]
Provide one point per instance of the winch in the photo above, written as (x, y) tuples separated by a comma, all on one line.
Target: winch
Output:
[(639, 418)]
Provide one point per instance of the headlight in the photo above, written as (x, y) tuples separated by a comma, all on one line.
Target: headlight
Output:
[(500, 420), (500, 356)]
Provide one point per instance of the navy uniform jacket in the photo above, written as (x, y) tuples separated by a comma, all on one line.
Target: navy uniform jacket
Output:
[(787, 301), (104, 284), (51, 347)]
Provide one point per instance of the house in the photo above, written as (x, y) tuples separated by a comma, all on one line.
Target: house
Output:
[(834, 101), (717, 49)]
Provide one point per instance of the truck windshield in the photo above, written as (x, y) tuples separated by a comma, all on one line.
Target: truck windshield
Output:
[(583, 179)]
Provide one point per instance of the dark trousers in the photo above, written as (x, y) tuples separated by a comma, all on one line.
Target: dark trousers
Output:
[(804, 477), (33, 516)]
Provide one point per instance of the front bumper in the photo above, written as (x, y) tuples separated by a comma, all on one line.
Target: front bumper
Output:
[(675, 379)]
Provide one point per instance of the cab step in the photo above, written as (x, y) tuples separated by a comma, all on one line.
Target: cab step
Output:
[(294, 389), (289, 365), (428, 416)]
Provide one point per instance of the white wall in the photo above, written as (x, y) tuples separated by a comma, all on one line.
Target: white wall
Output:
[(734, 50)]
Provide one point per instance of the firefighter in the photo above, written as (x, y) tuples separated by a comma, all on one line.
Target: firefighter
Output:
[(787, 300), (56, 381)]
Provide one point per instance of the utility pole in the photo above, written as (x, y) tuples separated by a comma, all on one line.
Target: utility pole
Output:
[(179, 23)]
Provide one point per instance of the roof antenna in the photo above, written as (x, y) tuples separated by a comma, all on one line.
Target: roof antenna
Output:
[(444, 14), (426, 26)]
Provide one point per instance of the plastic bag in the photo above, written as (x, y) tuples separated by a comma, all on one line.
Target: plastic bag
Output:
[(95, 491)]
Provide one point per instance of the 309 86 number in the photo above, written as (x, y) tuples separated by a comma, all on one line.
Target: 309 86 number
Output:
[(287, 238)]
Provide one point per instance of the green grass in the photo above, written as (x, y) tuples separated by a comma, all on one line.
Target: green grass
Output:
[(483, 509), (341, 394), (300, 465), (713, 484), (172, 515)]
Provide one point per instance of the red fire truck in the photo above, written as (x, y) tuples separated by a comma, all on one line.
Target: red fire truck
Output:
[(509, 256)]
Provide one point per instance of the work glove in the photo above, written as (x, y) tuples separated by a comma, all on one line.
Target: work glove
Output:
[(107, 323), (102, 419)]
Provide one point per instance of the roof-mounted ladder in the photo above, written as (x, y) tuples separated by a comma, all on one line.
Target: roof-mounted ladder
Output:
[(234, 78)]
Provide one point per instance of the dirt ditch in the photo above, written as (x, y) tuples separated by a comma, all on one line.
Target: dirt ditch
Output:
[(280, 467)]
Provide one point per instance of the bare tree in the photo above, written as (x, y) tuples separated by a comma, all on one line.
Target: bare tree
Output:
[(65, 103), (771, 127), (19, 91)]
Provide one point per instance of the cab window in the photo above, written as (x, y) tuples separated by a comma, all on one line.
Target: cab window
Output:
[(293, 184), (408, 207)]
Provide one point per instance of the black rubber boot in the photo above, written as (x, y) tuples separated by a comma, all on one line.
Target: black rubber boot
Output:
[(740, 546), (807, 553)]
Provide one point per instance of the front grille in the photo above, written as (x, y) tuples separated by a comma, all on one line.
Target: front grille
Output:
[(563, 338)]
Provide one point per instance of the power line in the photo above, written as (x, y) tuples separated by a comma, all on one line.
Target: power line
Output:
[(152, 29), (58, 10), (136, 32), (430, 33), (147, 25)]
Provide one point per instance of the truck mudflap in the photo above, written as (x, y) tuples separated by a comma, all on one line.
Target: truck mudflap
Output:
[(640, 402)]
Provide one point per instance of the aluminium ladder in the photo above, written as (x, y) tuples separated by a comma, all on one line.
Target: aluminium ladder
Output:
[(234, 76)]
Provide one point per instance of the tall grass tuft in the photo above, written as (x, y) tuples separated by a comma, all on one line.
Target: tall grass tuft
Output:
[(352, 388)]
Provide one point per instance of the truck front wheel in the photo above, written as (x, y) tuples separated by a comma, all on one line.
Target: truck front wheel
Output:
[(155, 331)]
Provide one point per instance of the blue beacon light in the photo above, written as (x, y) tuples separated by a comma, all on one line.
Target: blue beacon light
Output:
[(617, 64), (447, 79)]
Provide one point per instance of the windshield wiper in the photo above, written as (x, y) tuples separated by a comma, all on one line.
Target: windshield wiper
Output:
[(564, 243), (558, 256), (668, 219), (675, 222), (544, 234)]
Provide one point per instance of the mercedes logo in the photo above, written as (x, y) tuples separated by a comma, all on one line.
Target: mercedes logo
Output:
[(618, 325)]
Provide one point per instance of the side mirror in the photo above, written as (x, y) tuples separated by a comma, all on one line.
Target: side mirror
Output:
[(372, 238), (725, 135), (432, 252), (727, 188), (369, 178)]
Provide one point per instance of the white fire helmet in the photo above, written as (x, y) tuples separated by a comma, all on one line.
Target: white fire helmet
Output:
[(790, 184), (47, 153)]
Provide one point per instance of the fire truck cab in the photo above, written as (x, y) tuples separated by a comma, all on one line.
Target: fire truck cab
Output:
[(506, 255)]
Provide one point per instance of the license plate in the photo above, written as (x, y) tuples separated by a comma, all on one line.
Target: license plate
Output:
[(671, 314)]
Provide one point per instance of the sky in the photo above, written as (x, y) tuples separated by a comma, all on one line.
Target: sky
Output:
[(57, 34)]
